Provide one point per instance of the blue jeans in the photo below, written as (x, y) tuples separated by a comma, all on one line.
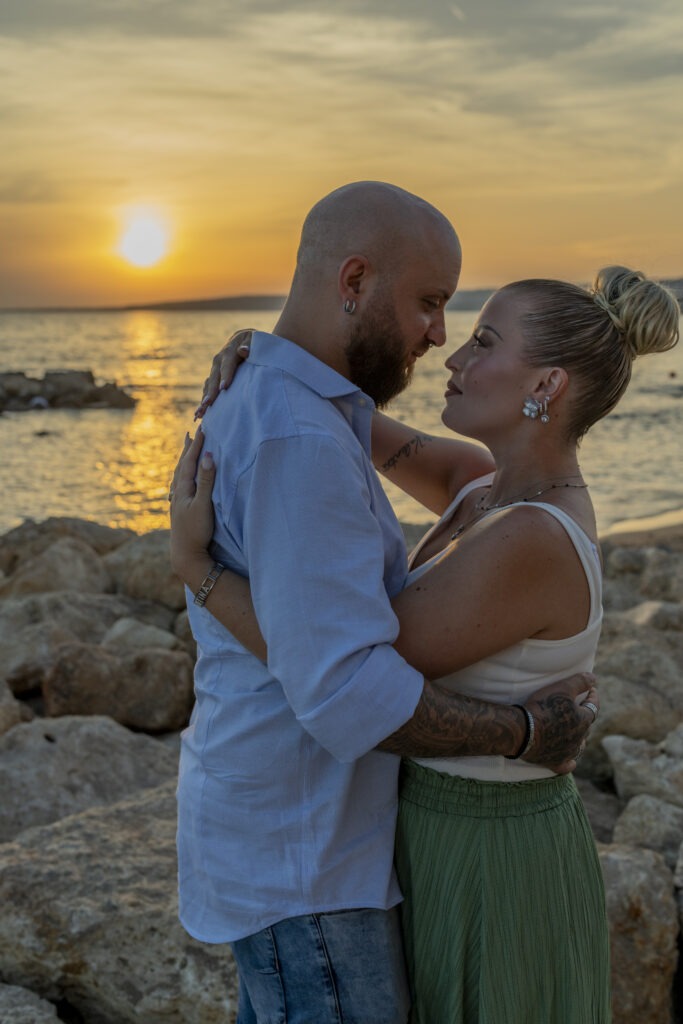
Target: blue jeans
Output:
[(340, 968)]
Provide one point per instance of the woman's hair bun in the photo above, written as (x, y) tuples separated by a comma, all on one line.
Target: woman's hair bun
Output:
[(644, 312)]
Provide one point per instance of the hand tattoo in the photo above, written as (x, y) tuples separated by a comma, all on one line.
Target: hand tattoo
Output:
[(560, 729)]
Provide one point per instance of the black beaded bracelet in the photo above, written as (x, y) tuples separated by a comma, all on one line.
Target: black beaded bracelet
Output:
[(528, 735)]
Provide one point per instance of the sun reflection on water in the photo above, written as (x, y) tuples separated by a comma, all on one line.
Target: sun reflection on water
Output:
[(139, 475)]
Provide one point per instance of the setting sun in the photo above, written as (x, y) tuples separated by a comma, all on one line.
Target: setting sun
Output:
[(144, 240)]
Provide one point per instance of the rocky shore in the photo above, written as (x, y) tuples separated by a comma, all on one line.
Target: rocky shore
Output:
[(60, 389), (95, 684)]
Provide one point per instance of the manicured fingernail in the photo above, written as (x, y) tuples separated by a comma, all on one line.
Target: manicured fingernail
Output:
[(244, 348), (207, 460), (223, 385)]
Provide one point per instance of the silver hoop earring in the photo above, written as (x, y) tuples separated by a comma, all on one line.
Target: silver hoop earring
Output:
[(532, 408), (350, 306)]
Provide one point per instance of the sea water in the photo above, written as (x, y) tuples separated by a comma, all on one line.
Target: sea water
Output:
[(114, 466)]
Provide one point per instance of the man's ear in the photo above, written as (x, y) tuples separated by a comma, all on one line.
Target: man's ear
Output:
[(354, 276)]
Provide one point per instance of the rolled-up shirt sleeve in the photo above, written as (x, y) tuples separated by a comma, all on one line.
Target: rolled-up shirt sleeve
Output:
[(316, 563)]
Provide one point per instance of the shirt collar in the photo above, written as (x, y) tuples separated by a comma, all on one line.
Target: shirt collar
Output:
[(272, 350)]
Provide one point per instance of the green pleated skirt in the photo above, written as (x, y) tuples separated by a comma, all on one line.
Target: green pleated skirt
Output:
[(504, 916)]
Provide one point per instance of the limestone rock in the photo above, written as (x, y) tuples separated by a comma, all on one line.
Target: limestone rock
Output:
[(30, 539), (618, 595), (662, 576), (656, 614), (68, 564), (625, 562), (142, 568), (603, 808), (150, 689), (652, 823), (12, 711), (641, 687), (59, 389), (90, 916), (52, 768), (182, 630), (19, 1006), (132, 634), (645, 768), (643, 932), (33, 628)]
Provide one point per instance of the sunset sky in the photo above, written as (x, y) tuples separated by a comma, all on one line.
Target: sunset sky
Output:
[(550, 133)]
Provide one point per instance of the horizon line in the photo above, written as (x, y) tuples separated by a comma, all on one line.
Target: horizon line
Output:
[(464, 299)]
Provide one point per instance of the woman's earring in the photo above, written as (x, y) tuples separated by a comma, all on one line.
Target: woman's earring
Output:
[(532, 407), (350, 306)]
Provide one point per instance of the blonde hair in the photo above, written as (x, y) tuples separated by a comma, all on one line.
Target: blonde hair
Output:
[(596, 334)]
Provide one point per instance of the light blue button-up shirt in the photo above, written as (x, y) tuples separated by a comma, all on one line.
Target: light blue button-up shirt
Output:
[(285, 808)]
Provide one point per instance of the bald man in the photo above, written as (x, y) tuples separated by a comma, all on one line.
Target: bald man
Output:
[(288, 776)]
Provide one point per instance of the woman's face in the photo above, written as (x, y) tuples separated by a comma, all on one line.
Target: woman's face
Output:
[(490, 378)]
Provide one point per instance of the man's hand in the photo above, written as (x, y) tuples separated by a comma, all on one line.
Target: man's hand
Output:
[(561, 722), (223, 369)]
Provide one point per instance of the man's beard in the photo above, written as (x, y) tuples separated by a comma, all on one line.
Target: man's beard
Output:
[(376, 353)]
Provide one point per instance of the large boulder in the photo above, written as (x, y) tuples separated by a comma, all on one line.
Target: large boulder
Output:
[(12, 711), (653, 824), (602, 808), (34, 627), (643, 565), (19, 1006), (640, 767), (131, 634), (90, 917), (52, 768), (643, 921), (641, 686), (662, 577), (68, 564), (29, 540), (666, 615), (141, 568), (148, 689)]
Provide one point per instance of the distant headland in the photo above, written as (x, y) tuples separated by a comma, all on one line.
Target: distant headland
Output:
[(466, 300)]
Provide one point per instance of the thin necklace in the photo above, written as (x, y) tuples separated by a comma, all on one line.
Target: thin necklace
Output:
[(481, 509)]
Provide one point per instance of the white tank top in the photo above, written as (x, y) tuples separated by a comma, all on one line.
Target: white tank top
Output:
[(512, 675)]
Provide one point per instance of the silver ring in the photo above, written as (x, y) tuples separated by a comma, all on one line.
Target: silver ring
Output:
[(591, 707)]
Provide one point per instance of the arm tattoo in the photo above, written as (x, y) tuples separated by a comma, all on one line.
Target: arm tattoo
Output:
[(452, 725), (411, 447)]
